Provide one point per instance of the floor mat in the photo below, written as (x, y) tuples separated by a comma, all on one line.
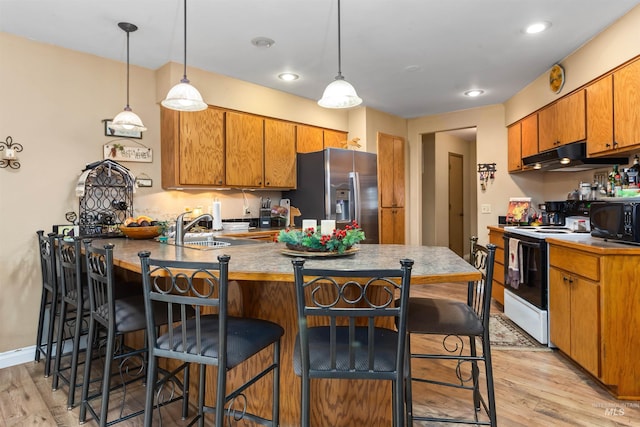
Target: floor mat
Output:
[(506, 335)]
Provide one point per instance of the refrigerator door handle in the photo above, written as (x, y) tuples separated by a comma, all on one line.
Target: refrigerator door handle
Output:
[(354, 177)]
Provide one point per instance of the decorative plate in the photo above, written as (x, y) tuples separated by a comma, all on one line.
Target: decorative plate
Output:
[(307, 254), (556, 78)]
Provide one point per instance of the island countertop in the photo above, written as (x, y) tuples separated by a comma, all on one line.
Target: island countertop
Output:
[(262, 287), (265, 261)]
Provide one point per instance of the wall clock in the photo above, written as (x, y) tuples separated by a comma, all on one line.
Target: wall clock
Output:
[(556, 78)]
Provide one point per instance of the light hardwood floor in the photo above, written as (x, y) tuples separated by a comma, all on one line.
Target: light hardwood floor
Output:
[(533, 388)]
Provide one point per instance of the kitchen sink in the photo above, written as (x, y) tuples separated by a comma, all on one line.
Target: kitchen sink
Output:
[(204, 242)]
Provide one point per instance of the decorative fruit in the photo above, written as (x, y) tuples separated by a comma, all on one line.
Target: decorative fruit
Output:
[(144, 223), (130, 220), (133, 224), (143, 218)]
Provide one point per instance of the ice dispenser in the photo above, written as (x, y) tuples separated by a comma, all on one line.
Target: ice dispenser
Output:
[(342, 205)]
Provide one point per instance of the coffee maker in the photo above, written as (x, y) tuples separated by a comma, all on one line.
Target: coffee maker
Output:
[(556, 212)]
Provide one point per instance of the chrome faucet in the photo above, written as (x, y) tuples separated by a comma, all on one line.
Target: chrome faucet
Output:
[(181, 230)]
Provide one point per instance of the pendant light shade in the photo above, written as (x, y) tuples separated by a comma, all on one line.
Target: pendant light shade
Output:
[(183, 96), (339, 93), (127, 119)]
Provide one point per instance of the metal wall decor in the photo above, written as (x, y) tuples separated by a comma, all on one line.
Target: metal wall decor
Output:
[(8, 157), (487, 172)]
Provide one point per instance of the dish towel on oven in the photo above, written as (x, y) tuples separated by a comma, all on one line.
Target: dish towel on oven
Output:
[(514, 270)]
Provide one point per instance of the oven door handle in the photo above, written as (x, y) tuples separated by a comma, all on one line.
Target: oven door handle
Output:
[(533, 245)]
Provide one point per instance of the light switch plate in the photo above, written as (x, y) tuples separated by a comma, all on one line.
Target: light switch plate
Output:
[(485, 208)]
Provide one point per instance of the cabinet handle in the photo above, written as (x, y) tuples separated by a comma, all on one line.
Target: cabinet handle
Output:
[(607, 145), (615, 144)]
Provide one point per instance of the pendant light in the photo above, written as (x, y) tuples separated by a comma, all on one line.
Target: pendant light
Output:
[(183, 96), (127, 119), (339, 93)]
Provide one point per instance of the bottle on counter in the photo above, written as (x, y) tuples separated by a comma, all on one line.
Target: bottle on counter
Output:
[(615, 182), (633, 173)]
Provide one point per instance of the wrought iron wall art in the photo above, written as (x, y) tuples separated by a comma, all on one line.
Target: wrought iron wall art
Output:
[(105, 189), (487, 172), (8, 157)]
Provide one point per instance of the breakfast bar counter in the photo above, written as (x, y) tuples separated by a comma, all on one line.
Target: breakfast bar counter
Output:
[(265, 290)]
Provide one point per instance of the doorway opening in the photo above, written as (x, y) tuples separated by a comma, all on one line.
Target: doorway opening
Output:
[(449, 199)]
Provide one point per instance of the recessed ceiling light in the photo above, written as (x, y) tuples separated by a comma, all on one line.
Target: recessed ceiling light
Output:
[(537, 27), (412, 68), (288, 77), (263, 42), (474, 92)]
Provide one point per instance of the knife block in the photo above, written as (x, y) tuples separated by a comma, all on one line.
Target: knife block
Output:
[(265, 218)]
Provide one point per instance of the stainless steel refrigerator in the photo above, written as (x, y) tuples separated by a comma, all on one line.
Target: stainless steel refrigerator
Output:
[(338, 184)]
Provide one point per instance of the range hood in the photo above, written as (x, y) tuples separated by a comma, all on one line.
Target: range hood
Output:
[(570, 158)]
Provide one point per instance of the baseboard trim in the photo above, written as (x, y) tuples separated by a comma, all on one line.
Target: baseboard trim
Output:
[(17, 357)]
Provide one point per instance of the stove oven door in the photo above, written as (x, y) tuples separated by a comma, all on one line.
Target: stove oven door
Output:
[(531, 259)]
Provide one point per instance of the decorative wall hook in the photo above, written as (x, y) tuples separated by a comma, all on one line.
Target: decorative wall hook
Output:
[(9, 157), (487, 172)]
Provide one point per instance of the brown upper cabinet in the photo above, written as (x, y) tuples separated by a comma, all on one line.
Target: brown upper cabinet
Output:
[(613, 111), (192, 148), (310, 139), (626, 105), (279, 154), (514, 148), (562, 122), (334, 139), (244, 150), (522, 140), (391, 171), (600, 116)]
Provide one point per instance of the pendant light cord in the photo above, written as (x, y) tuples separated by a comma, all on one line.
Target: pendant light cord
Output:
[(127, 107), (339, 43), (184, 76)]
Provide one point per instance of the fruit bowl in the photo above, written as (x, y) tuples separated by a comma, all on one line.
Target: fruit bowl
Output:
[(141, 232)]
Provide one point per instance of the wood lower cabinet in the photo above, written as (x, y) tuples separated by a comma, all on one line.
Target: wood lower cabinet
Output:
[(593, 310), (574, 319), (497, 290), (392, 226), (562, 122), (192, 148)]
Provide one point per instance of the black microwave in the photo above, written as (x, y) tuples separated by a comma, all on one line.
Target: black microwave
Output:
[(616, 220)]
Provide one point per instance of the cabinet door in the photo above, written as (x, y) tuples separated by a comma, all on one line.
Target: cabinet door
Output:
[(279, 154), (585, 324), (392, 226), (334, 139), (514, 141), (529, 136), (309, 139), (391, 171), (560, 309), (571, 118), (600, 115), (626, 98), (245, 151), (192, 147), (547, 136)]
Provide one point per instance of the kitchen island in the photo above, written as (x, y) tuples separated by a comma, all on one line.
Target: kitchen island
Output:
[(265, 290)]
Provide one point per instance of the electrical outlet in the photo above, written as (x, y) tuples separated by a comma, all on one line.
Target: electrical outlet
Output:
[(247, 211), (485, 209)]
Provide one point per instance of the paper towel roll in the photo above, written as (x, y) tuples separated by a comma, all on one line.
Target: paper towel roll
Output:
[(216, 212)]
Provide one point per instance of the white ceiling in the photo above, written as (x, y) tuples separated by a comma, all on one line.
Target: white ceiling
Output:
[(453, 45)]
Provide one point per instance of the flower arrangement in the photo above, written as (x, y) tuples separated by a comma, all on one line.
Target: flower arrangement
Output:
[(309, 240)]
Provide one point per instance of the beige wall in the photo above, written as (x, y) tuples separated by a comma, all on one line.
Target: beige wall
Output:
[(54, 103), (55, 100)]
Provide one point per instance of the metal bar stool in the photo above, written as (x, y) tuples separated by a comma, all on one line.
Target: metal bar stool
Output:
[(340, 331), (49, 301), (117, 317), (454, 321), (207, 338)]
